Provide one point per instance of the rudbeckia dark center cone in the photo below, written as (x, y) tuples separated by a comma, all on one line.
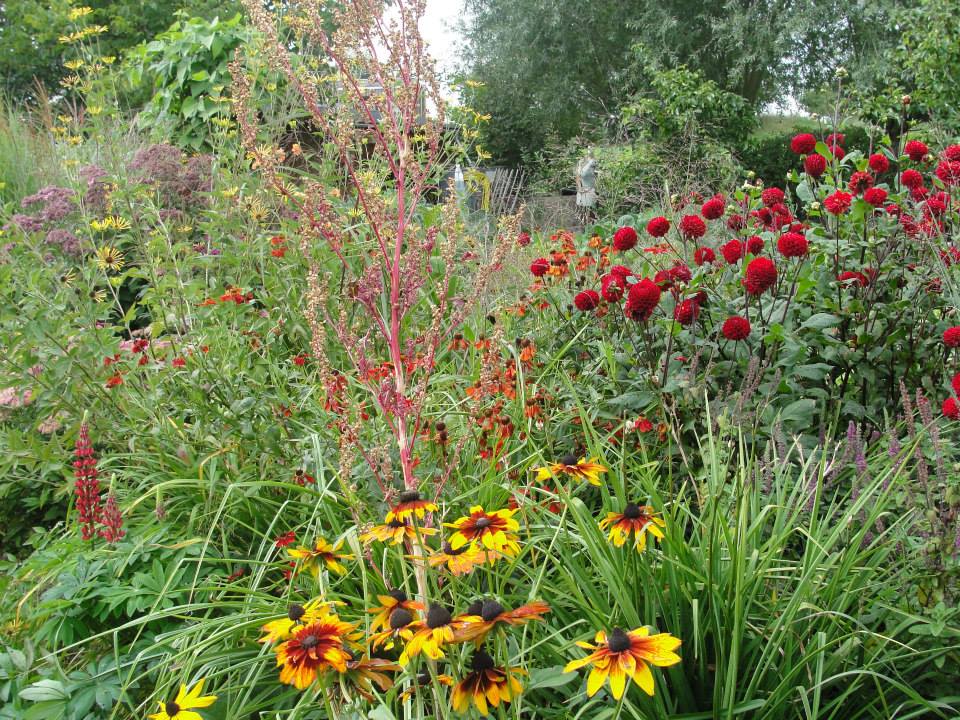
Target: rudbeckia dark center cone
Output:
[(438, 616), (490, 610), (483, 522), (171, 708), (400, 618), (396, 523), (409, 496), (632, 511), (481, 661), (296, 612), (398, 595), (474, 608), (618, 641), (310, 641), (448, 549), (569, 459)]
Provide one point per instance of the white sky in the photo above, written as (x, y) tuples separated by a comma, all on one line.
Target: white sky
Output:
[(439, 30)]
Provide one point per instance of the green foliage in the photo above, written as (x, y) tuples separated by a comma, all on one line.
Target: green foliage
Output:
[(674, 101), (30, 32), (187, 66)]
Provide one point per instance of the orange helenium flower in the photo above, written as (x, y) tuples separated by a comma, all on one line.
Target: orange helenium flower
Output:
[(313, 650), (637, 520), (582, 470), (626, 655), (493, 530), (486, 686)]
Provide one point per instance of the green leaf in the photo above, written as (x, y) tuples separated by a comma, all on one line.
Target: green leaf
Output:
[(44, 690)]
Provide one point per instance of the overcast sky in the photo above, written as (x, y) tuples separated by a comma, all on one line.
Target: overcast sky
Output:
[(439, 30)]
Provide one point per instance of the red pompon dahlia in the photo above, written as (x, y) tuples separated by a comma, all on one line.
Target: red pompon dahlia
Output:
[(838, 203), (658, 226), (951, 336), (952, 153), (111, 520), (523, 239), (949, 172), (955, 384), (642, 300), (713, 208), (612, 287), (691, 226), (803, 143), (754, 244), (621, 272), (587, 300), (625, 239), (814, 165), (792, 244), (86, 484), (686, 312), (732, 251), (736, 222), (835, 139), (911, 178), (951, 409), (915, 150), (860, 182), (736, 328), (540, 267), (761, 276), (704, 255), (852, 277), (837, 151), (875, 196), (772, 196), (879, 163), (680, 272)]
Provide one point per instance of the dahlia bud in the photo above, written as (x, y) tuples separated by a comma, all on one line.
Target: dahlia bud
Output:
[(905, 100)]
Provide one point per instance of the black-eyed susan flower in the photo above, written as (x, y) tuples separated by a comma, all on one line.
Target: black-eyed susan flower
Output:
[(482, 616), (437, 629), (109, 258), (462, 560), (322, 552), (493, 530), (625, 655), (409, 505), (583, 469), (425, 679), (314, 649), (388, 603), (636, 520), (297, 616), (182, 707), (399, 626), (364, 671), (395, 532), (486, 685)]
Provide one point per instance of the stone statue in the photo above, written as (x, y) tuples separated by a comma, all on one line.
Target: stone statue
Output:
[(586, 186)]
